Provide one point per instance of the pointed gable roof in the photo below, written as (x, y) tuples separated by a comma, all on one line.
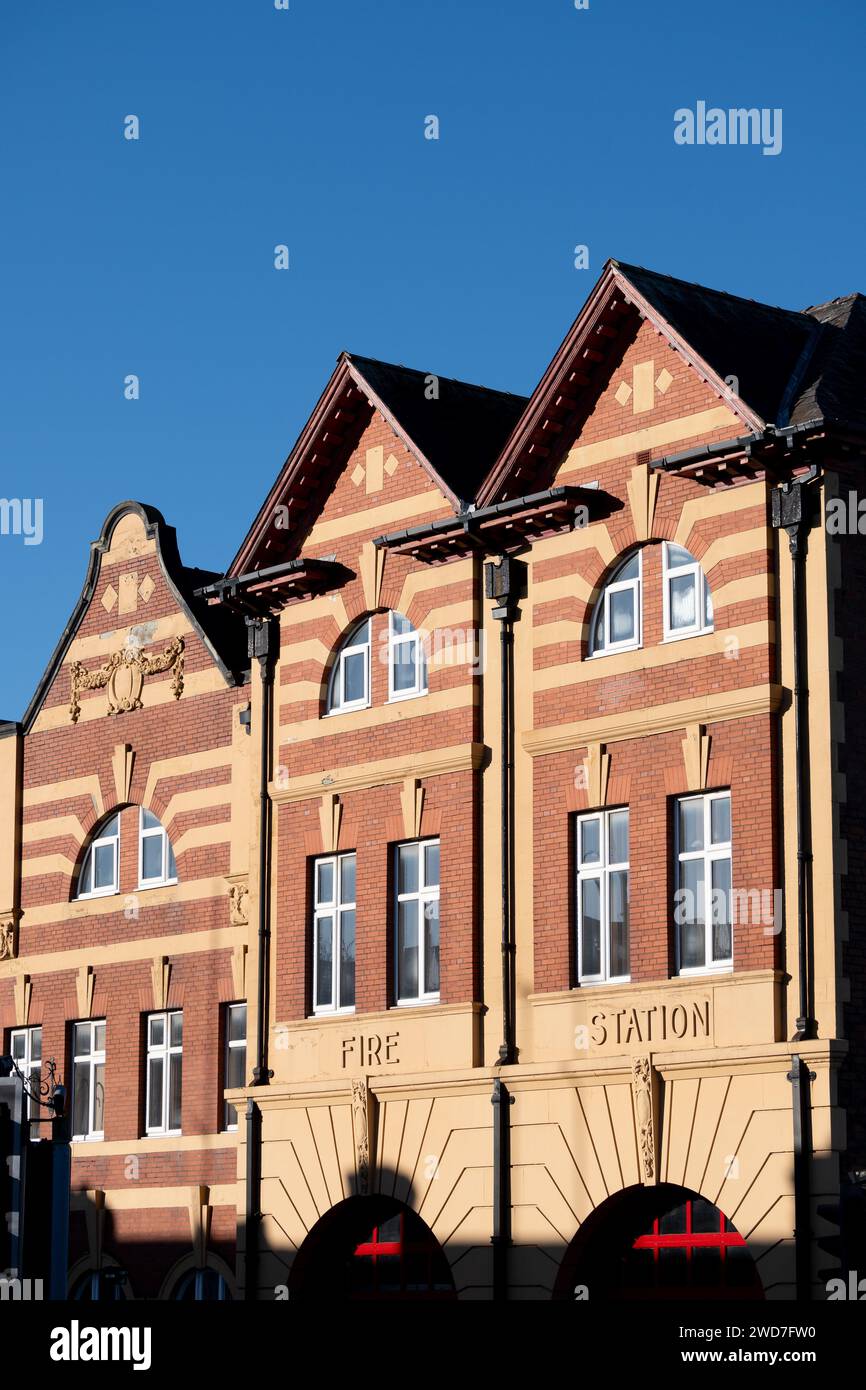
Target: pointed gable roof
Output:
[(455, 436), (789, 366)]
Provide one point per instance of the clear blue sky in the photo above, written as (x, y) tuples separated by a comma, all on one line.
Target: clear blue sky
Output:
[(306, 127)]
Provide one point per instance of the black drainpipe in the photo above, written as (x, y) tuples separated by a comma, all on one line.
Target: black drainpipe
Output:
[(505, 582), (790, 512), (261, 644)]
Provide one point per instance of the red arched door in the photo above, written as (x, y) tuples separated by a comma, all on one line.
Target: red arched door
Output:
[(371, 1248)]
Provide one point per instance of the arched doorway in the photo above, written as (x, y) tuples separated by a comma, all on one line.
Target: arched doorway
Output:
[(371, 1248), (660, 1242)]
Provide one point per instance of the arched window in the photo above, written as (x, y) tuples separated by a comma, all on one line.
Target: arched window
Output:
[(155, 855), (616, 621), (202, 1286), (100, 869), (688, 607), (407, 664), (350, 676)]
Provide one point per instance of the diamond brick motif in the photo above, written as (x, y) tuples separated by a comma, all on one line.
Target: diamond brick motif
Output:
[(663, 380), (358, 475), (623, 393), (391, 465), (109, 598), (145, 588)]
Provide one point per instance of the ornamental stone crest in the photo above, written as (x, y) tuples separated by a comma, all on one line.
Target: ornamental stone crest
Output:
[(123, 674), (238, 904)]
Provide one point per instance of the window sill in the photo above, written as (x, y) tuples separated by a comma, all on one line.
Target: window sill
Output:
[(162, 1134), (406, 695), (347, 709), (692, 971), (332, 1013), (156, 883), (613, 980), (88, 1138), (683, 636), (417, 1003), (97, 893), (614, 651)]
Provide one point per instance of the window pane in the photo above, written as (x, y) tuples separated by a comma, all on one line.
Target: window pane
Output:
[(324, 882), (708, 605), (175, 1087), (19, 1046), (678, 556), (36, 1044), (354, 671), (85, 882), (721, 908), (81, 1040), (683, 600), (399, 624), (236, 1065), (692, 914), (403, 657), (431, 866), (335, 698), (619, 922), (151, 856), (99, 1097), (347, 959), (176, 1026), (705, 1217), (154, 1092), (231, 1116), (237, 1022), (111, 827), (347, 878), (407, 950), (324, 961), (99, 1037), (156, 1025), (598, 634), (590, 927), (81, 1098), (630, 569), (149, 820), (618, 837), (691, 824), (407, 869), (103, 857), (621, 608), (431, 947), (590, 841), (720, 820)]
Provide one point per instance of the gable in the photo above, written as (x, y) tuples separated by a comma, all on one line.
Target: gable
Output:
[(651, 402), (135, 624)]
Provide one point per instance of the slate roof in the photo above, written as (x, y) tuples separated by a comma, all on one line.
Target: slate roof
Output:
[(475, 419)]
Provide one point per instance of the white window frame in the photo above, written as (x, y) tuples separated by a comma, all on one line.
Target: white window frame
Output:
[(601, 871), (602, 604), (349, 646), (425, 894), (30, 1066), (154, 832), (90, 856), (232, 1045), (702, 597), (89, 1061), (397, 641), (166, 1050), (709, 854), (335, 909)]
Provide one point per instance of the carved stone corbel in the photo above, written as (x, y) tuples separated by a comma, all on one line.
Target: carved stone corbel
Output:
[(239, 895), (645, 1091), (363, 1129), (9, 936)]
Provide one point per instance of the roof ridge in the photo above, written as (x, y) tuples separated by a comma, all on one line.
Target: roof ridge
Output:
[(626, 266), (420, 371)]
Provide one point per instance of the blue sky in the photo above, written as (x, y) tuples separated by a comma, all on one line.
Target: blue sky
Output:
[(305, 127)]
